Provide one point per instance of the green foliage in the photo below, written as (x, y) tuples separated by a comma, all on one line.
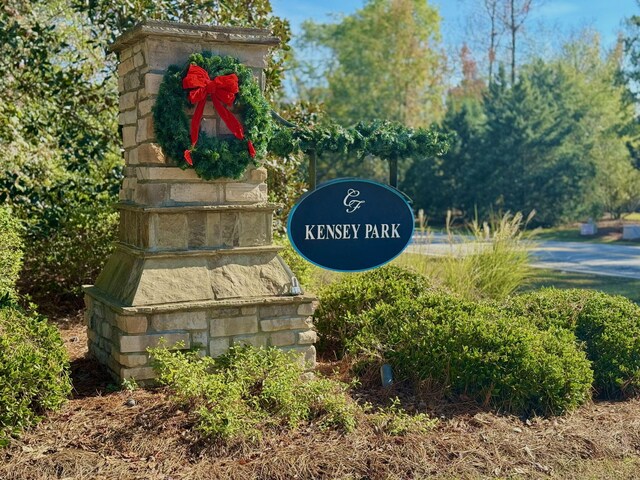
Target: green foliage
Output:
[(394, 420), (493, 263), (213, 157), (338, 318), (545, 142), (382, 62), (236, 395), (10, 252), (389, 141), (475, 351), (608, 325), (34, 370)]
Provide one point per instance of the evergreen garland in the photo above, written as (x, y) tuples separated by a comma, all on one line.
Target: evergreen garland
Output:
[(213, 157)]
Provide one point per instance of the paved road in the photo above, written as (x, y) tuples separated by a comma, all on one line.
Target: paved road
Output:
[(582, 257)]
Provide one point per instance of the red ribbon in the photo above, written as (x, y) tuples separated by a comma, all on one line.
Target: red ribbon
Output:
[(222, 90)]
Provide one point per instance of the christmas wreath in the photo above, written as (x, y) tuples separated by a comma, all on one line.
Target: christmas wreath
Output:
[(225, 82)]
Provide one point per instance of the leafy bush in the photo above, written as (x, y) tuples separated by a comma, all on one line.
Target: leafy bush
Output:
[(73, 254), (608, 325), (475, 350), (10, 252), (338, 318), (34, 370), (235, 395)]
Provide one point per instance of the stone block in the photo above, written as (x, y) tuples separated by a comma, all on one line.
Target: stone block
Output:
[(140, 343), (138, 60), (105, 330), (225, 312), (227, 327), (151, 194), (162, 52), (195, 193), (152, 83), (140, 373), (197, 229), (128, 101), (258, 175), (125, 67), (132, 81), (200, 338), (308, 337), (145, 130), (245, 193), (218, 346), (288, 310), (253, 229), (248, 310), (306, 309), (253, 340), (128, 118), (247, 275), (125, 54), (131, 360), (145, 106), (121, 85), (171, 231), (230, 229), (213, 237), (149, 153), (179, 321), (163, 173), (285, 337), (129, 137), (292, 323), (132, 324)]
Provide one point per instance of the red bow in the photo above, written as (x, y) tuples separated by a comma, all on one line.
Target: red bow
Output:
[(223, 90)]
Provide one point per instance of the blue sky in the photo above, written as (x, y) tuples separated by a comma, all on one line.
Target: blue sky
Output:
[(564, 15)]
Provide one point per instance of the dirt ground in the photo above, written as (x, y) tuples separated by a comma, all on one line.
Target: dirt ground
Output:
[(97, 436)]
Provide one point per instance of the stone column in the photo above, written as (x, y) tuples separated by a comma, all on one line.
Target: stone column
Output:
[(194, 263)]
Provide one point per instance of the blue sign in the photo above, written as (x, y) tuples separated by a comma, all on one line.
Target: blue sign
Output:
[(350, 225)]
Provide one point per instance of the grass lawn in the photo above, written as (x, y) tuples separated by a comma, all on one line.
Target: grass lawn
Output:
[(627, 287)]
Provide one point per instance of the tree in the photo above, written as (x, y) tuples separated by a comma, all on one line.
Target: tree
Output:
[(384, 62)]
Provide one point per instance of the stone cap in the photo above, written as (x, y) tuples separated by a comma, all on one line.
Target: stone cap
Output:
[(179, 30)]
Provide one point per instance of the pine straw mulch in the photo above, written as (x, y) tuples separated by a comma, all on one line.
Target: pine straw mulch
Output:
[(96, 436)]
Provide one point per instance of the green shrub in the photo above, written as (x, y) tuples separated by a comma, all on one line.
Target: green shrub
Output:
[(10, 252), (338, 319), (235, 395), (73, 253), (474, 350), (34, 370), (608, 325)]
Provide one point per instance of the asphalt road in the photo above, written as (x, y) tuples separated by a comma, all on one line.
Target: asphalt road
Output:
[(581, 257)]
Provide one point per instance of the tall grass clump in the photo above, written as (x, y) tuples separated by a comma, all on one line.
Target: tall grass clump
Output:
[(492, 262)]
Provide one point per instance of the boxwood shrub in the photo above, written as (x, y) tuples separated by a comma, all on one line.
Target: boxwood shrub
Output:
[(338, 319), (475, 350), (10, 252), (34, 370), (607, 325)]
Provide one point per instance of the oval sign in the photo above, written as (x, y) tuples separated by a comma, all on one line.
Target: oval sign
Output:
[(350, 225)]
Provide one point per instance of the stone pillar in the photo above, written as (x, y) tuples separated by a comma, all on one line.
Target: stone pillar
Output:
[(194, 263)]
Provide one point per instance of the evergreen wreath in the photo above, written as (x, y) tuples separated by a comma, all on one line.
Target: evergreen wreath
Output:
[(212, 157)]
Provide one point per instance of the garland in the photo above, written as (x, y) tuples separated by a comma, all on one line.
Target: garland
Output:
[(228, 80)]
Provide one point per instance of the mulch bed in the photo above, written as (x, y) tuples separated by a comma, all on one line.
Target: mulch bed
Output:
[(97, 436)]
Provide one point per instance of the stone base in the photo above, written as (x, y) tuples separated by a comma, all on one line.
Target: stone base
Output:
[(119, 336)]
